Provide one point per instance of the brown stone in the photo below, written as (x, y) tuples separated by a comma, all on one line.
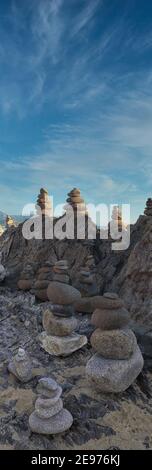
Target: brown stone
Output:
[(40, 284), (62, 293), (89, 304), (110, 319), (41, 294), (114, 344), (25, 284), (58, 326)]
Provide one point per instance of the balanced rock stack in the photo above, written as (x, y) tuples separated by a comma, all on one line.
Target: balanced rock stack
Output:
[(49, 416), (59, 338), (118, 360), (44, 202), (148, 208), (26, 278), (76, 201), (21, 366), (9, 222), (2, 270), (44, 276), (117, 222), (86, 282)]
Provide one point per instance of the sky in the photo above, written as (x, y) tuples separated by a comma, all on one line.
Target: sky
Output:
[(76, 101)]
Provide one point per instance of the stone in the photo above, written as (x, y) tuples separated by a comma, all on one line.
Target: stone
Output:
[(62, 345), (61, 278), (89, 304), (110, 295), (48, 384), (114, 344), (60, 327), (114, 376), (51, 396), (61, 310), (2, 270), (54, 425), (47, 412), (25, 284), (41, 294), (62, 293), (39, 284), (44, 203), (110, 319), (20, 366)]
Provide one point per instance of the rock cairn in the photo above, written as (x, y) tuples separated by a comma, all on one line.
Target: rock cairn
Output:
[(49, 416), (44, 276), (59, 338), (86, 283), (20, 366), (76, 201), (9, 222), (118, 360), (26, 278), (148, 208), (44, 202)]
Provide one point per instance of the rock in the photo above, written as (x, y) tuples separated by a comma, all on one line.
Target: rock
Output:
[(58, 326), (47, 412), (41, 284), (25, 284), (61, 278), (114, 376), (64, 310), (89, 304), (62, 345), (110, 295), (110, 319), (21, 366), (62, 293), (57, 424), (46, 383), (114, 344), (41, 294)]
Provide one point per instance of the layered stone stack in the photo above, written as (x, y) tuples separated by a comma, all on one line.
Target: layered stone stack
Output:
[(86, 282), (76, 201), (49, 416), (118, 360), (20, 366), (44, 202), (59, 338), (117, 218), (44, 276), (26, 278), (9, 222), (148, 208)]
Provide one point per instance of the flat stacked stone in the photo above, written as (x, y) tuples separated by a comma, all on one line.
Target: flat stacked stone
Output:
[(86, 281), (59, 338), (44, 276), (148, 208), (118, 359), (49, 416), (44, 202), (20, 366), (26, 278)]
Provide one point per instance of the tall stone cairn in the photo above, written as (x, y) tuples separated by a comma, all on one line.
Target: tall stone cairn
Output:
[(76, 201), (148, 208), (59, 338), (44, 202), (86, 283), (49, 416), (118, 359)]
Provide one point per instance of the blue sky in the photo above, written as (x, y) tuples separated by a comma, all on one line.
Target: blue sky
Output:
[(76, 101)]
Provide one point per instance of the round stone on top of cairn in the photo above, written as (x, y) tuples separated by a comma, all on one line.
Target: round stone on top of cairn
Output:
[(21, 366), (44, 202), (118, 360), (59, 337), (148, 208), (49, 416)]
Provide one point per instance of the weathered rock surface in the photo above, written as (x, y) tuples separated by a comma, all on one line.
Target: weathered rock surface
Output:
[(62, 294), (114, 344), (114, 376), (62, 345), (110, 319)]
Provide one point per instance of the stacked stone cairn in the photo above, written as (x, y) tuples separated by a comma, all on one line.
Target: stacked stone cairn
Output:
[(118, 359), (59, 338), (116, 217), (26, 278), (44, 276), (86, 283), (49, 416), (44, 202), (76, 201), (148, 208), (9, 222), (20, 366)]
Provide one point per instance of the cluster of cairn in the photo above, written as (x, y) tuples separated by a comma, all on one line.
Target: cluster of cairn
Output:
[(26, 278), (49, 416), (44, 276), (148, 208), (86, 283), (44, 203), (118, 360), (20, 366), (59, 337)]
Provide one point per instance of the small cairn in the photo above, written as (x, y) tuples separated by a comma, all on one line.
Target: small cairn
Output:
[(59, 338), (76, 201), (118, 359), (20, 366), (49, 416), (148, 208), (44, 202), (86, 283), (44, 276), (10, 223), (26, 278)]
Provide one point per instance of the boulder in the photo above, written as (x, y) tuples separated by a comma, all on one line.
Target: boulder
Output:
[(110, 319), (114, 344), (25, 284), (62, 345)]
